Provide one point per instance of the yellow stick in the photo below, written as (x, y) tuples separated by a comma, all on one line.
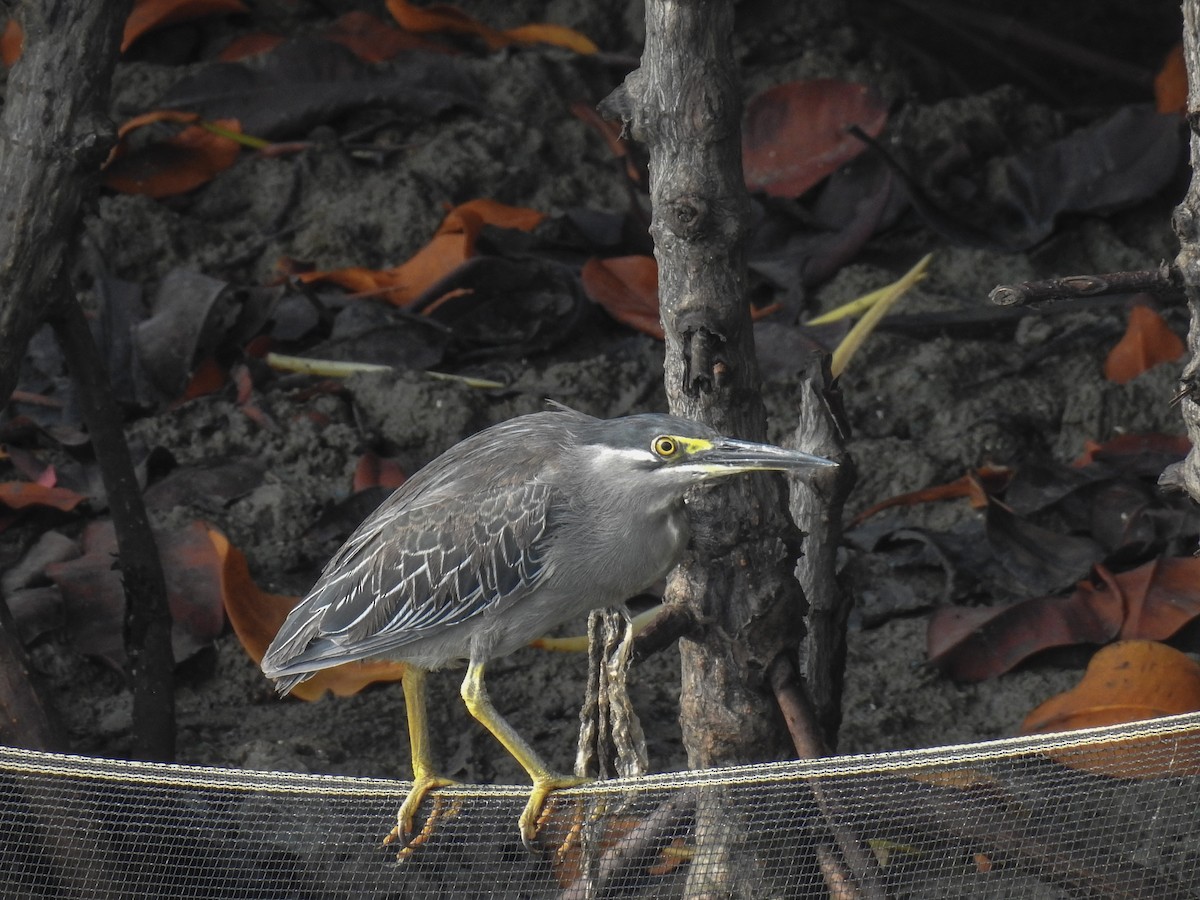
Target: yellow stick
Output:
[(862, 330)]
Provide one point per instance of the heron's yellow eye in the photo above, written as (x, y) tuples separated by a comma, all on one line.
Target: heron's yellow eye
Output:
[(666, 446)]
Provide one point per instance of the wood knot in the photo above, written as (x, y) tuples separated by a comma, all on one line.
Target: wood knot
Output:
[(687, 216)]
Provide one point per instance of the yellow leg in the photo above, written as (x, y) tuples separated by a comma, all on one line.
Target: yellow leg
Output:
[(424, 778), (474, 694)]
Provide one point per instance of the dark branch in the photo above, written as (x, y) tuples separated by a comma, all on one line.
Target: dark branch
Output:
[(1165, 281)]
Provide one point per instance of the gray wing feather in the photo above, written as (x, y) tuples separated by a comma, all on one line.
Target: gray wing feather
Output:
[(411, 570)]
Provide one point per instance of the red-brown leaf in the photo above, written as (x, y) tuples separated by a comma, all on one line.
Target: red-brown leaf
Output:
[(182, 163), (1171, 83), (1161, 597), (256, 617), (147, 15), (448, 19), (1126, 682), (975, 485), (11, 42), (627, 287), (1148, 341), (974, 643), (373, 471), (23, 494), (371, 39), (450, 247), (95, 599), (795, 134)]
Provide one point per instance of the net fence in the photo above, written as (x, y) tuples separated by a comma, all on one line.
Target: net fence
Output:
[(1108, 812)]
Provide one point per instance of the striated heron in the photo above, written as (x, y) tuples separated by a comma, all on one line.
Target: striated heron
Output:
[(506, 535)]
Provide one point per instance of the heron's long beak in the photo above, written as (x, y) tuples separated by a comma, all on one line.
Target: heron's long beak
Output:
[(728, 456)]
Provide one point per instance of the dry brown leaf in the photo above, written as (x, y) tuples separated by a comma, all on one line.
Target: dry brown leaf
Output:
[(975, 485), (11, 42), (182, 163), (95, 599), (1134, 444), (451, 246), (246, 45), (373, 471), (147, 15), (256, 617), (627, 288), (1171, 83), (23, 494), (1147, 342), (795, 134), (371, 39), (1125, 682), (1161, 597), (451, 20)]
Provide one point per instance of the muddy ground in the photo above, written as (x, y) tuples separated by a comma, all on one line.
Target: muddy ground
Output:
[(924, 407)]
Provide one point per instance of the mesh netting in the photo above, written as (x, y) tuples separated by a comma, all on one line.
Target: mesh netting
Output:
[(1100, 813)]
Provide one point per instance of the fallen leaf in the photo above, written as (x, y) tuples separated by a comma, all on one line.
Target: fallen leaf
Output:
[(493, 306), (208, 377), (1114, 163), (450, 20), (11, 42), (23, 494), (95, 599), (1135, 447), (452, 244), (148, 15), (976, 643), (211, 484), (373, 471), (1125, 682), (308, 81), (179, 164), (1148, 341), (795, 134), (184, 328), (247, 45), (975, 485), (256, 617), (627, 288), (1171, 83), (1151, 602), (372, 40), (795, 249), (1161, 597), (1040, 559)]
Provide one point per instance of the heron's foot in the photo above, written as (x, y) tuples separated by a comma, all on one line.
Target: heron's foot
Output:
[(532, 818), (407, 814)]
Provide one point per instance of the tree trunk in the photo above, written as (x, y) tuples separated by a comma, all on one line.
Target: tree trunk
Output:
[(54, 135), (684, 104), (817, 500), (1187, 229)]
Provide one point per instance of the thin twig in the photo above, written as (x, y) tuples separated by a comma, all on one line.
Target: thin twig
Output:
[(857, 873), (1165, 281), (147, 617)]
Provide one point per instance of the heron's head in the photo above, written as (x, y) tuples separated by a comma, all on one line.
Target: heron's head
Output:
[(660, 453)]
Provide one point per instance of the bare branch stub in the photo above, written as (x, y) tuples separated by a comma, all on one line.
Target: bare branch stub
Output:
[(1164, 281)]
